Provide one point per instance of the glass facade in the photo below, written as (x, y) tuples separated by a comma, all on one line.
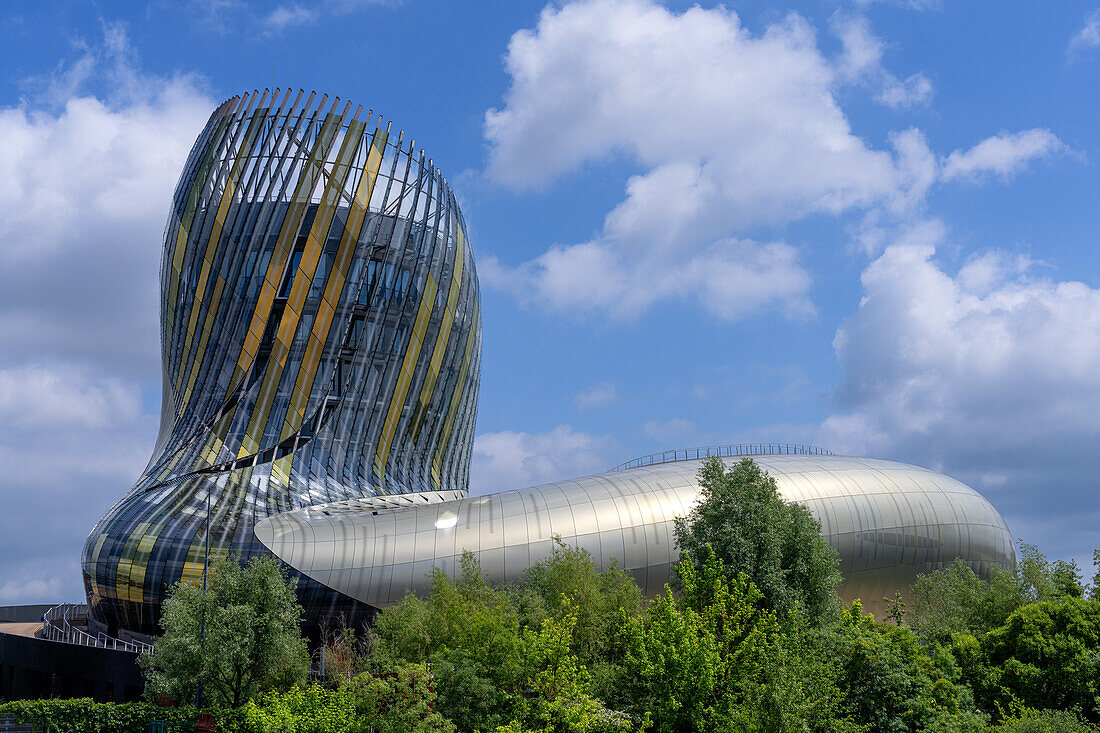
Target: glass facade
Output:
[(321, 342)]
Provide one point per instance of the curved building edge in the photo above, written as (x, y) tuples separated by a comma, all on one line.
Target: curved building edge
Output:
[(888, 521)]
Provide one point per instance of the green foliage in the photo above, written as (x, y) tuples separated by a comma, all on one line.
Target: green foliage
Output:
[(890, 683), (557, 691), (402, 700), (1044, 721), (716, 659), (955, 599), (1046, 656), (480, 640), (301, 709), (84, 715), (569, 582), (470, 633), (1043, 580), (252, 641), (396, 702), (778, 545)]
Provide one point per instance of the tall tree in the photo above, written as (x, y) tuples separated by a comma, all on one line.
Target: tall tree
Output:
[(778, 545), (954, 599), (252, 640)]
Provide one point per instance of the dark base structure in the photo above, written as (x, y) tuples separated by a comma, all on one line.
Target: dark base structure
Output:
[(34, 668)]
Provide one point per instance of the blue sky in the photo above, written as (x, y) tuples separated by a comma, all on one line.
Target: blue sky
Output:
[(866, 225)]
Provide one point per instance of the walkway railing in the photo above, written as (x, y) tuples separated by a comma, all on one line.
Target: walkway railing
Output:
[(60, 624), (724, 451)]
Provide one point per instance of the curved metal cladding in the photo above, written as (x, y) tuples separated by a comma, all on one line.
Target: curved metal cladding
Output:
[(889, 522), (321, 342)]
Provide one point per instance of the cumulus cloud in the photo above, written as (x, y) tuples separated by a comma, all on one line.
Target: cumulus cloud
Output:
[(911, 4), (71, 443), (731, 129), (288, 16), (600, 395), (293, 15), (1088, 36), (33, 396), (82, 206), (28, 589), (988, 373), (513, 460), (91, 157), (669, 431), (913, 91), (861, 61), (1004, 154)]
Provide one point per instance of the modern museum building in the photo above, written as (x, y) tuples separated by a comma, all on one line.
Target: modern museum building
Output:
[(321, 360)]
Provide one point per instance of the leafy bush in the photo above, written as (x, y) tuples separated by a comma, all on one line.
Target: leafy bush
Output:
[(84, 715), (1044, 721), (1044, 657)]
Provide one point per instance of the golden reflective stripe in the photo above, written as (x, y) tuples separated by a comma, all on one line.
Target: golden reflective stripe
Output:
[(280, 471), (215, 300), (441, 339), (239, 164), (334, 287), (307, 179), (303, 278), (128, 565), (404, 379), (98, 548), (315, 244), (456, 399), (185, 225)]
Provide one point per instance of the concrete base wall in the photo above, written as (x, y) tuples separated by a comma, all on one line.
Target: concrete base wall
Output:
[(33, 668)]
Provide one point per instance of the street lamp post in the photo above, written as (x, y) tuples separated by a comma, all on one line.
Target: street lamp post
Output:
[(205, 570)]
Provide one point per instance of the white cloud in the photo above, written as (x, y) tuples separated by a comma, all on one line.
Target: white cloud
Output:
[(669, 431), (988, 374), (34, 396), (30, 589), (600, 395), (90, 162), (861, 61), (511, 460), (1088, 36), (731, 130), (914, 91), (82, 208), (288, 16), (293, 15), (911, 4), (1004, 154)]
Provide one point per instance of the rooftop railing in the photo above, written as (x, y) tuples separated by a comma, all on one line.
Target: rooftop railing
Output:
[(724, 451), (60, 623)]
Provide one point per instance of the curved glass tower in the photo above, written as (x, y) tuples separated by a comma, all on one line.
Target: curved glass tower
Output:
[(321, 342)]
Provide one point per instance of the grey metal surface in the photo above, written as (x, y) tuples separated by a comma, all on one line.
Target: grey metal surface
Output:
[(889, 521)]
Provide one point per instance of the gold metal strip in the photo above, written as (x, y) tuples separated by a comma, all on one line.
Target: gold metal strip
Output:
[(404, 379), (302, 281), (184, 230), (456, 398), (442, 338), (212, 242), (200, 352), (334, 287)]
